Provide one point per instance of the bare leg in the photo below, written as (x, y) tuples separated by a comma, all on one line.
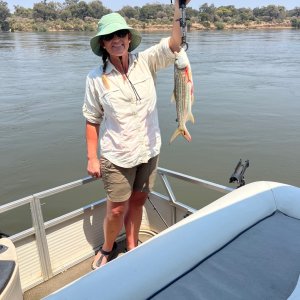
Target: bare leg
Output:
[(133, 218), (112, 226)]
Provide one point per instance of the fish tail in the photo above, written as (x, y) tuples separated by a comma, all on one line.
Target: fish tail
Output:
[(175, 135), (184, 132)]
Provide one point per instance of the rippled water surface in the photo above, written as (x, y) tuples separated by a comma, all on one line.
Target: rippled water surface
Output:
[(247, 91)]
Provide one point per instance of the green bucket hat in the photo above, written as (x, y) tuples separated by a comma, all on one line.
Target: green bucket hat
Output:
[(111, 23)]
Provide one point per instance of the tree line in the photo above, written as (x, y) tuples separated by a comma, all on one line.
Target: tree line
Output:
[(79, 15)]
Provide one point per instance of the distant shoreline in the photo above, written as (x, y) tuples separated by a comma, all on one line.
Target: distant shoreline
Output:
[(200, 27), (193, 27), (80, 16)]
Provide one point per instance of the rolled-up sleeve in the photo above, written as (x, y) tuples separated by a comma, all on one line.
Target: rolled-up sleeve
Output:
[(159, 56), (92, 109)]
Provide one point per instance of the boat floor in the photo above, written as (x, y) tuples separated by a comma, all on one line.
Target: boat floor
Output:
[(62, 279)]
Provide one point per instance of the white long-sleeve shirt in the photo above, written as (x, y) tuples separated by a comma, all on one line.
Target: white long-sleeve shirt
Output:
[(130, 133)]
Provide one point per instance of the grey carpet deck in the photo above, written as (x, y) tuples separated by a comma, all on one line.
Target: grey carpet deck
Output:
[(261, 263)]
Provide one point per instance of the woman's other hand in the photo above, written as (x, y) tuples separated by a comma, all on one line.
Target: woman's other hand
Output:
[(92, 138), (94, 168)]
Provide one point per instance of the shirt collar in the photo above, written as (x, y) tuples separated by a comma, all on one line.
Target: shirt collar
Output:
[(132, 61)]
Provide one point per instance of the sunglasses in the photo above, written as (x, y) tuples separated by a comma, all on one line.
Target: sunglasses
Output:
[(120, 34)]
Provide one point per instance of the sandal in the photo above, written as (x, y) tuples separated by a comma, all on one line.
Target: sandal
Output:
[(110, 256)]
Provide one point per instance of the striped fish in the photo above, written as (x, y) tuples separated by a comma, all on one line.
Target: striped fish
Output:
[(183, 94)]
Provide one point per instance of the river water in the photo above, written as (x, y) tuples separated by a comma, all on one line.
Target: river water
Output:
[(247, 105)]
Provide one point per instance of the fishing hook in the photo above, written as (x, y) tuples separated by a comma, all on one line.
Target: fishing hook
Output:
[(182, 22)]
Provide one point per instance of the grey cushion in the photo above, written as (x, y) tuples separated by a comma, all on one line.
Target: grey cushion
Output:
[(6, 270), (261, 263)]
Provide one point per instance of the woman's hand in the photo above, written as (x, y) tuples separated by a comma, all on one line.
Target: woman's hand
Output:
[(92, 137), (186, 2), (94, 168)]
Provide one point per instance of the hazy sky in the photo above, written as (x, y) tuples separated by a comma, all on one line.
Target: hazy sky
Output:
[(118, 4)]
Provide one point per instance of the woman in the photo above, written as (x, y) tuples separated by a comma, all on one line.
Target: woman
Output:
[(121, 97)]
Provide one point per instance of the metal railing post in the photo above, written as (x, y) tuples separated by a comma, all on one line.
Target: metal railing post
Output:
[(40, 234), (171, 195)]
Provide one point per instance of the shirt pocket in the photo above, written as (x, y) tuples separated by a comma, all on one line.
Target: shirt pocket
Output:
[(143, 88), (115, 103)]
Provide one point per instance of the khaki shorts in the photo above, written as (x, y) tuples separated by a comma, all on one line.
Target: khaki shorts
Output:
[(119, 183)]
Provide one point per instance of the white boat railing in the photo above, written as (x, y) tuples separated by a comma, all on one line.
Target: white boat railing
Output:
[(39, 226), (207, 184)]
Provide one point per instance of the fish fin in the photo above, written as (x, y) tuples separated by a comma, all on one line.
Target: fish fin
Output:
[(190, 117), (193, 98), (188, 73), (173, 97)]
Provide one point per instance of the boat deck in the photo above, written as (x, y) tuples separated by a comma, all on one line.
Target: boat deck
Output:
[(59, 281), (64, 278)]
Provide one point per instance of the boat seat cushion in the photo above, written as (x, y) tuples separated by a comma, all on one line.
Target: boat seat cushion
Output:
[(296, 292), (245, 268), (7, 268)]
